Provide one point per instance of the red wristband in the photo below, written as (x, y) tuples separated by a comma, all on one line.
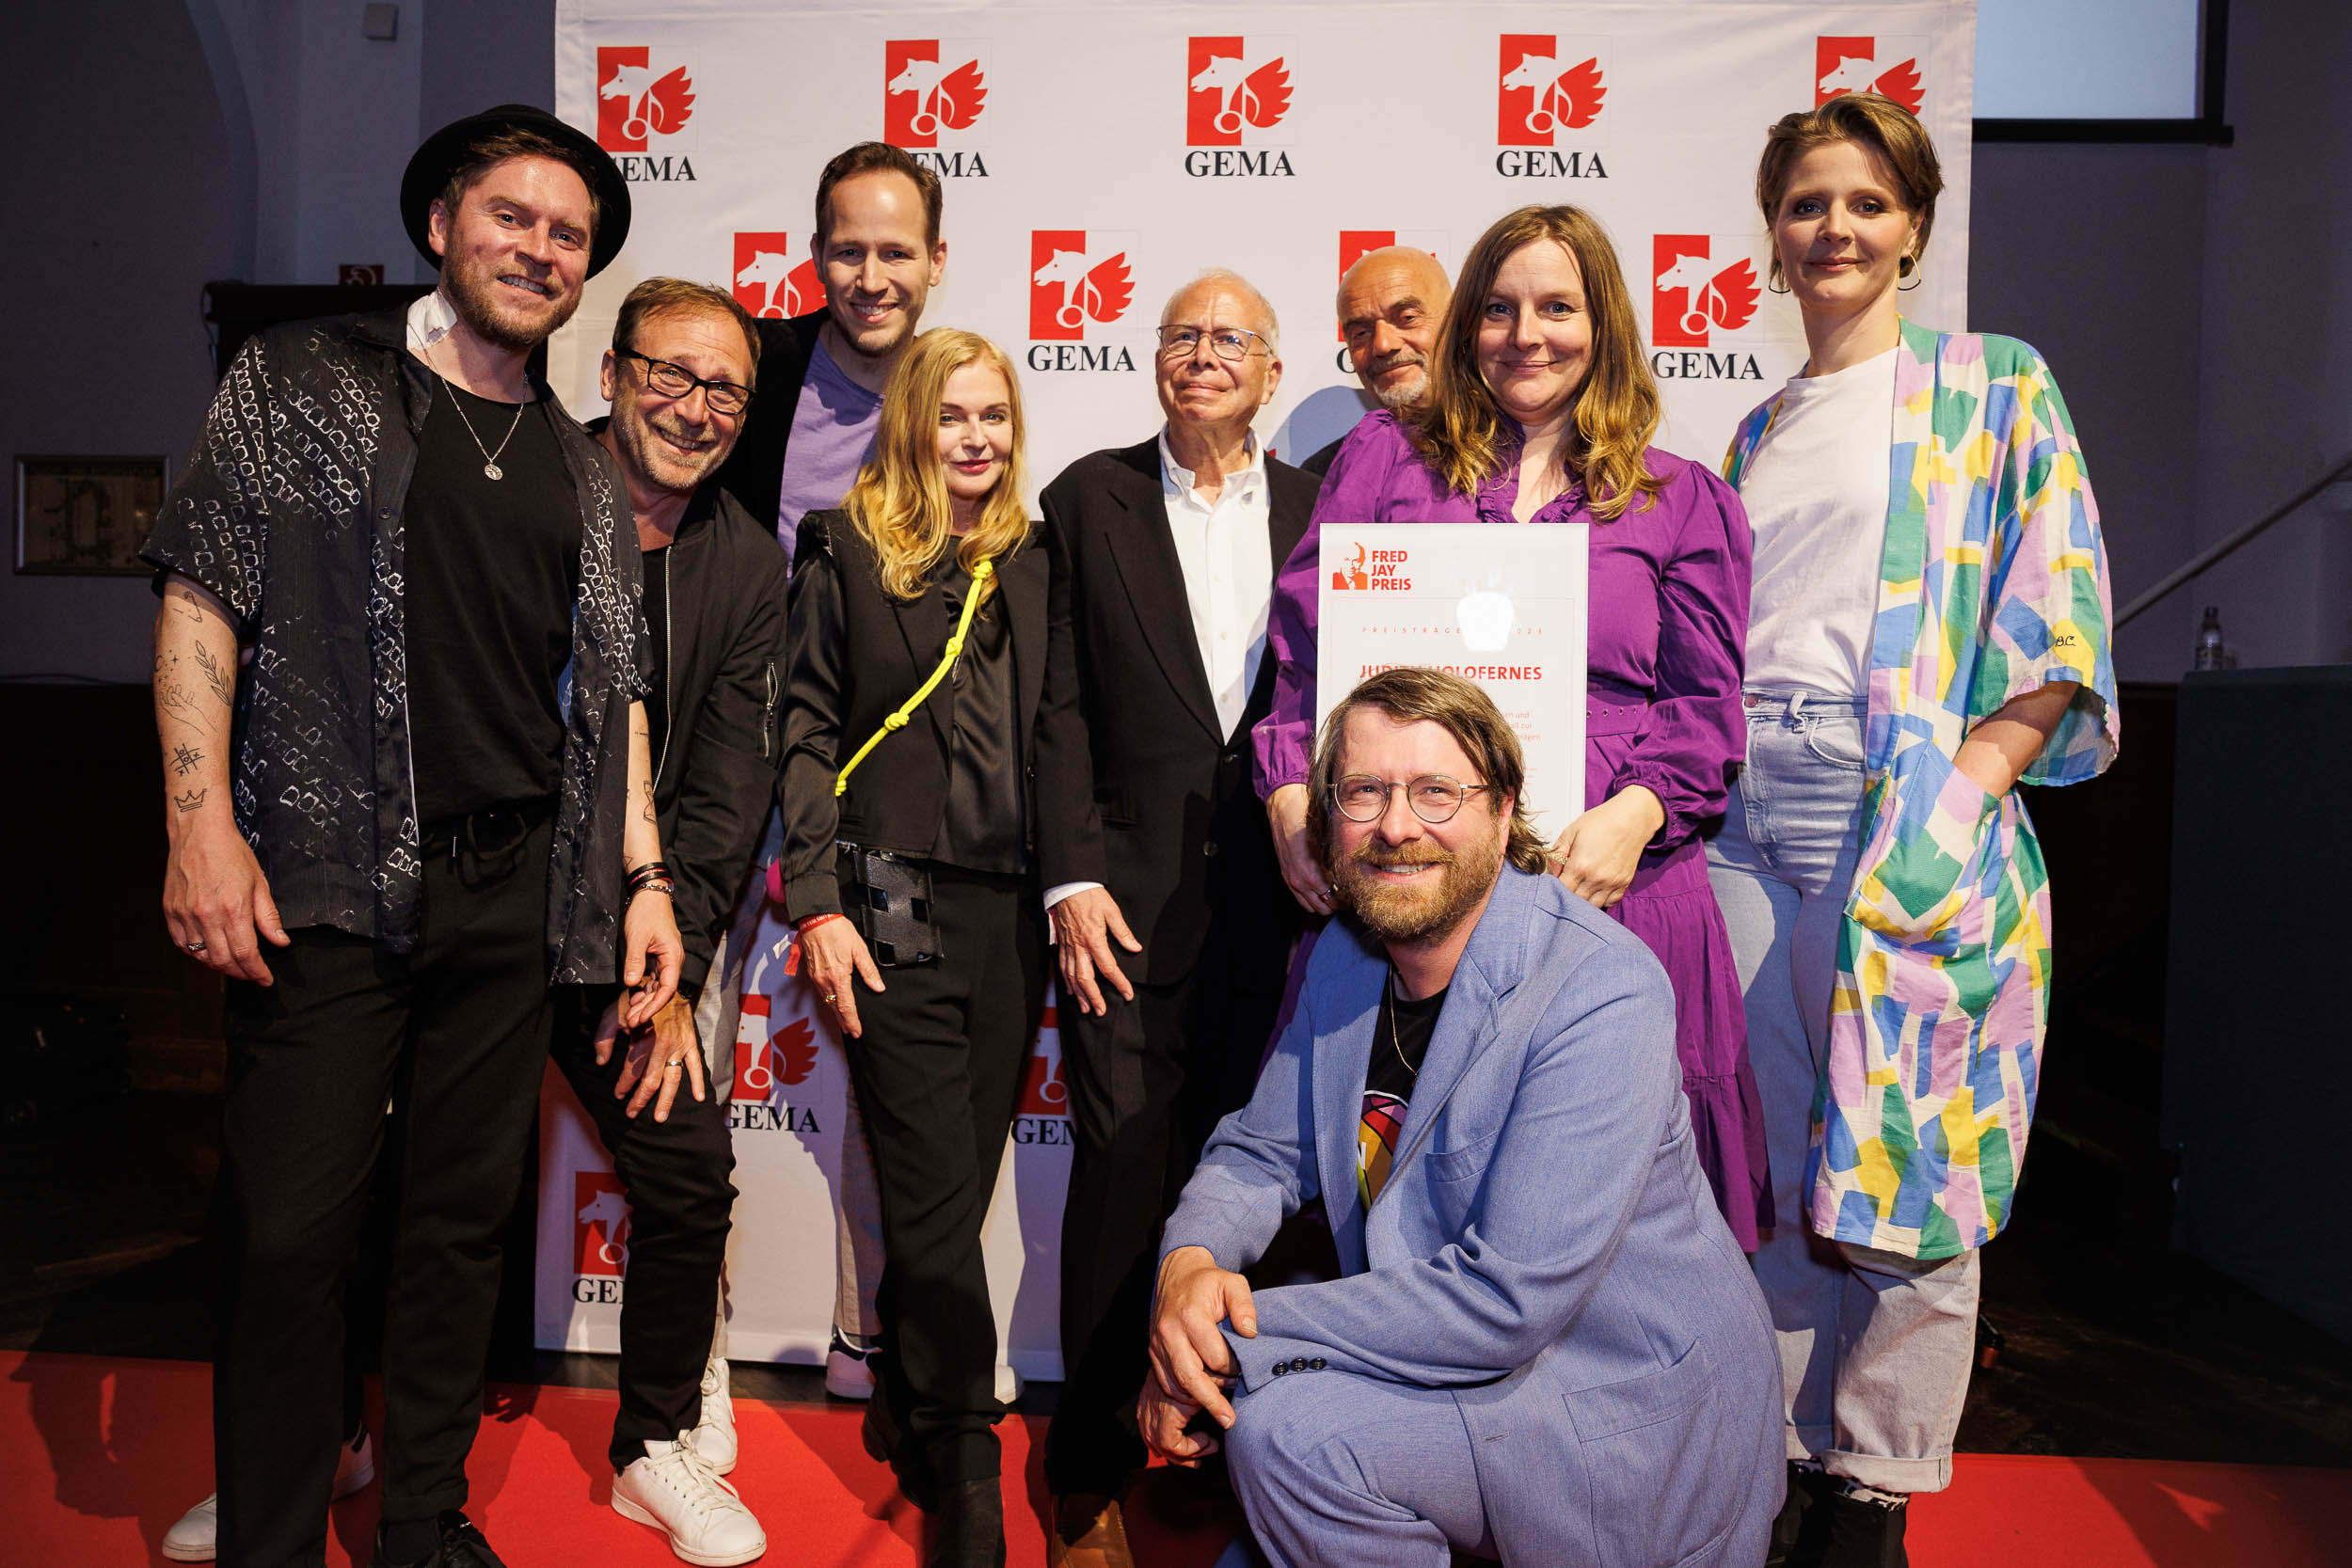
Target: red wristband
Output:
[(808, 923)]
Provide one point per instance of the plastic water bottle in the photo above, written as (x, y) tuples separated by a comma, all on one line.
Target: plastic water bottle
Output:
[(2209, 639)]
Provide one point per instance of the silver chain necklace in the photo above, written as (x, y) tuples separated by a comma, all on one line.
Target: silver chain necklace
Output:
[(490, 458)]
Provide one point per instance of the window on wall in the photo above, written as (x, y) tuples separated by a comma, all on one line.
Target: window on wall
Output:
[(2100, 70)]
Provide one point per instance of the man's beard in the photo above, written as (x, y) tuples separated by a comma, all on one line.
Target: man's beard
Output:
[(639, 440), (1416, 913), (497, 314), (1405, 395)]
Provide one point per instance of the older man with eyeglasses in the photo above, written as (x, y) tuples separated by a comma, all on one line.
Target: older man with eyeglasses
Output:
[(1167, 904)]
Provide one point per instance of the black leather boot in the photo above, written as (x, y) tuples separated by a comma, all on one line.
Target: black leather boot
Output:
[(967, 1526), (1864, 1534), (885, 1444)]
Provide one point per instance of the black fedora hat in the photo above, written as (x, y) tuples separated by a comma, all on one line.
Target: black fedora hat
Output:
[(444, 153)]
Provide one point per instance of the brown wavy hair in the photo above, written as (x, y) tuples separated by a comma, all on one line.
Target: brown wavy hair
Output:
[(1868, 121), (899, 502), (1408, 694), (1461, 432)]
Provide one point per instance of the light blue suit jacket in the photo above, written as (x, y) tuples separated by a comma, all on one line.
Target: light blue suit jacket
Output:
[(1545, 1247)]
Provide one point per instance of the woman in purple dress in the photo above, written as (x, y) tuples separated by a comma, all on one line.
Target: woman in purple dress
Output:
[(1541, 411)]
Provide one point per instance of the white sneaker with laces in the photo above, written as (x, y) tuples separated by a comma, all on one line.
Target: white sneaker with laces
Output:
[(195, 1537), (714, 1435), (849, 1372), (675, 1490)]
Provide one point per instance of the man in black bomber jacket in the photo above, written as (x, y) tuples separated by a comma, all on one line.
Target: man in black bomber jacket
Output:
[(679, 375)]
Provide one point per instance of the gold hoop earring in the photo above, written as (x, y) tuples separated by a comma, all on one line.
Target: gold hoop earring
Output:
[(1907, 267)]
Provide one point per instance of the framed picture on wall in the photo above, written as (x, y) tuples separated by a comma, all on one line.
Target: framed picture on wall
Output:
[(86, 515)]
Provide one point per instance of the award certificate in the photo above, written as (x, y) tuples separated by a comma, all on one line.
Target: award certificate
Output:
[(1500, 604)]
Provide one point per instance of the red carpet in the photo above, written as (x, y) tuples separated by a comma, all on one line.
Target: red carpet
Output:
[(98, 1455)]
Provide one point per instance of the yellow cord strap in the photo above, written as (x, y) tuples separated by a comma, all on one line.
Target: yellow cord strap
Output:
[(980, 574)]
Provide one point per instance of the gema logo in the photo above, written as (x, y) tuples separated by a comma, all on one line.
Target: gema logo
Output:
[(1043, 1114), (1703, 288), (599, 1236), (644, 104), (934, 97), (1236, 89), (1549, 84), (766, 284), (1078, 279), (1887, 66), (766, 1063)]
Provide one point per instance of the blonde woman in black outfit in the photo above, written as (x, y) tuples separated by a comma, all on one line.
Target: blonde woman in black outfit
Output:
[(907, 854)]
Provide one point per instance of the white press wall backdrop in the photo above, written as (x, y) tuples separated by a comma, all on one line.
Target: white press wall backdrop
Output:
[(1097, 157)]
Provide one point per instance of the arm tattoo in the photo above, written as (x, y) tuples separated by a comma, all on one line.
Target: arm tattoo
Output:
[(174, 699), (224, 685), (192, 800), (184, 758)]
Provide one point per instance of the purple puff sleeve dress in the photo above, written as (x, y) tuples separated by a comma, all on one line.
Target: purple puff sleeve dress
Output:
[(1668, 618)]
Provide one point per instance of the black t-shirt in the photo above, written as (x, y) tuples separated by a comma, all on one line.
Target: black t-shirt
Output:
[(658, 625), (1400, 1038), (492, 570)]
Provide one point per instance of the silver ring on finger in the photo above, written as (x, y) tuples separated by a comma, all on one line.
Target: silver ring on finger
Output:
[(830, 999), (197, 947)]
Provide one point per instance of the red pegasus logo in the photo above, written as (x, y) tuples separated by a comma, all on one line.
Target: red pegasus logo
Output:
[(637, 101), (926, 92), (1070, 284), (765, 281), (1693, 293), (1044, 1092), (1227, 93), (1545, 88), (766, 1063), (1843, 65), (599, 1224)]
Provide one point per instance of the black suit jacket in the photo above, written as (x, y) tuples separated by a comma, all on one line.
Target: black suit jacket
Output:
[(753, 472), (1151, 798), (855, 654)]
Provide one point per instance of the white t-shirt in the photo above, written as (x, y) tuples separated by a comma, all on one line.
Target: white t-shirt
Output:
[(1816, 495)]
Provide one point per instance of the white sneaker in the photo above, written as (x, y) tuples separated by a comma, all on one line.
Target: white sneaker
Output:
[(195, 1537), (714, 1435), (675, 1490), (849, 1373)]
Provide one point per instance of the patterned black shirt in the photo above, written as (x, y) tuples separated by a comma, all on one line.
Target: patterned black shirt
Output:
[(288, 512)]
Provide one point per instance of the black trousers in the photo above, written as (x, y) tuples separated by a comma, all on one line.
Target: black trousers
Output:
[(675, 1174), (1149, 1082), (938, 1072), (454, 1034)]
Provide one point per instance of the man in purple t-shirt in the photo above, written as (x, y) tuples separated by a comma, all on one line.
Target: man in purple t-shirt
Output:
[(878, 255)]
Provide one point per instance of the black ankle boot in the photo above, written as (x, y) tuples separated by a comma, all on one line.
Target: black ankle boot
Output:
[(967, 1526), (1801, 1531), (1862, 1533)]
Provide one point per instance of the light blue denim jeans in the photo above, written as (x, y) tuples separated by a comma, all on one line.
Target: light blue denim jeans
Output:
[(1875, 1347)]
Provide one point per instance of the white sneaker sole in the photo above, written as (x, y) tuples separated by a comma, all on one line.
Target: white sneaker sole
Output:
[(638, 1513)]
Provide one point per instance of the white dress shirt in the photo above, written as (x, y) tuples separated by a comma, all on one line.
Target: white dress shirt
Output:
[(1225, 549)]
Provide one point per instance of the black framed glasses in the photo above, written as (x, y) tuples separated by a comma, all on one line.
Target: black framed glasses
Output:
[(676, 380), (1433, 797), (1228, 342)]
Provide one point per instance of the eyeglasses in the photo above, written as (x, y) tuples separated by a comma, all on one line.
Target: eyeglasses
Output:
[(677, 381), (1433, 797), (1230, 342)]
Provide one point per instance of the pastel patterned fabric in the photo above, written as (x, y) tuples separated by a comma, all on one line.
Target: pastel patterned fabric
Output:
[(1993, 585)]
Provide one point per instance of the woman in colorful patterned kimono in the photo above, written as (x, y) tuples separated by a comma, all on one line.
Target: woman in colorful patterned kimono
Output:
[(1918, 646), (1541, 411)]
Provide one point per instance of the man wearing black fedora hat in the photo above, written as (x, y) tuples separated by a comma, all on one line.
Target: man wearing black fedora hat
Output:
[(398, 675)]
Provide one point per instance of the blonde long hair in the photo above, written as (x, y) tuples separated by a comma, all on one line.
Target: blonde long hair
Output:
[(1461, 431), (899, 502)]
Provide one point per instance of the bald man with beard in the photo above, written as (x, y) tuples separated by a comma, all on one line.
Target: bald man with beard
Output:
[(1392, 303)]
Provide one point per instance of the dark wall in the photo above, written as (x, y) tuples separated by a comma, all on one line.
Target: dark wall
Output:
[(116, 188)]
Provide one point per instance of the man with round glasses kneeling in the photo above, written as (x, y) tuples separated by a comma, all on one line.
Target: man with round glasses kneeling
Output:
[(1544, 1344)]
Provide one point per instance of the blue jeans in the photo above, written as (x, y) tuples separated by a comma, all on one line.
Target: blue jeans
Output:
[(1875, 1347)]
